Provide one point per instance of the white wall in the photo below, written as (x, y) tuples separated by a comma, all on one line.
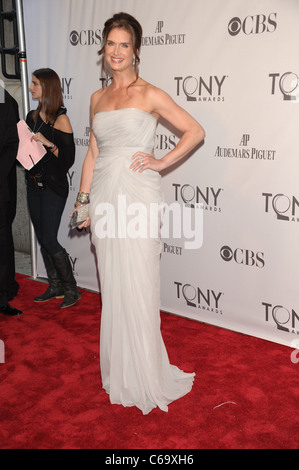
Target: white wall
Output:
[(233, 65)]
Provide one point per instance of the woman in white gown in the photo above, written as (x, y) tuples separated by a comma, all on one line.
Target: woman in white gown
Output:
[(120, 176)]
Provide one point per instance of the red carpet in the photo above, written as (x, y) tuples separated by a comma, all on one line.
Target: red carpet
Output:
[(245, 394)]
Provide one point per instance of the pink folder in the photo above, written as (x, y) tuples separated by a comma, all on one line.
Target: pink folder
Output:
[(30, 151)]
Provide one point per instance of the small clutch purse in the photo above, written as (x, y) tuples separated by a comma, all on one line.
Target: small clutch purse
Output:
[(79, 215)]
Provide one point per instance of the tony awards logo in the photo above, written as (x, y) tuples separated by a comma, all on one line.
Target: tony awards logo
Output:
[(288, 85), (284, 207)]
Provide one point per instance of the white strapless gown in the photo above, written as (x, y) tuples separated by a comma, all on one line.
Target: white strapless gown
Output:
[(134, 363)]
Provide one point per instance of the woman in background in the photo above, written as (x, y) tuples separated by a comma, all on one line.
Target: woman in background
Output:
[(47, 183)]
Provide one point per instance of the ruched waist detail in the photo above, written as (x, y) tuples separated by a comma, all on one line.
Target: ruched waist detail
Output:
[(112, 160), (119, 157), (118, 152)]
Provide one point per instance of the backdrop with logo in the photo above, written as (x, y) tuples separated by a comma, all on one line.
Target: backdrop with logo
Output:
[(233, 65)]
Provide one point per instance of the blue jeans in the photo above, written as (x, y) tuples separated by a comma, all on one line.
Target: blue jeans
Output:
[(45, 209)]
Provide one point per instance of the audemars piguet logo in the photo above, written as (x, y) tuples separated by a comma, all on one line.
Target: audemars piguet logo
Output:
[(82, 140), (245, 151), (163, 37)]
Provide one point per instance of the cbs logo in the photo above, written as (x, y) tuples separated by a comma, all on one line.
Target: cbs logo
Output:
[(256, 24), (243, 256)]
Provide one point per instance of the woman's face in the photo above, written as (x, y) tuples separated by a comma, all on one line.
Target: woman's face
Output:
[(119, 49), (36, 89)]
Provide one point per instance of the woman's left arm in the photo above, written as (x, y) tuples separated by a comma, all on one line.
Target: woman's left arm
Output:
[(192, 132)]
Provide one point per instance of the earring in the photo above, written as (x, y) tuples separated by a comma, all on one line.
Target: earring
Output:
[(133, 60)]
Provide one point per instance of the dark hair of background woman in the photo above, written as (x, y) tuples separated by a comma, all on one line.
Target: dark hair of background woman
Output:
[(52, 98)]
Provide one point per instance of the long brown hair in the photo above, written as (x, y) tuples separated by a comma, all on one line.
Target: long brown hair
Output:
[(52, 98), (130, 24)]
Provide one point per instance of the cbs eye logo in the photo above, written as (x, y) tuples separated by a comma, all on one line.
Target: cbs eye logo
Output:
[(85, 37), (242, 256), (74, 38), (256, 24), (226, 253)]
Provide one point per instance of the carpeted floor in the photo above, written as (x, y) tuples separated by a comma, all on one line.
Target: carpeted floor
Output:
[(245, 394)]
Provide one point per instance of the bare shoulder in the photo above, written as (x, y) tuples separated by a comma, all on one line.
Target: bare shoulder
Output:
[(95, 98), (163, 105), (153, 90), (96, 95), (63, 124), (153, 98), (157, 96)]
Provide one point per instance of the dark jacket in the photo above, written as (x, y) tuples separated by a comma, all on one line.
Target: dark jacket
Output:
[(9, 142), (54, 169)]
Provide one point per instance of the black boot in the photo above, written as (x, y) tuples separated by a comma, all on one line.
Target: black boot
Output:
[(64, 270), (55, 289)]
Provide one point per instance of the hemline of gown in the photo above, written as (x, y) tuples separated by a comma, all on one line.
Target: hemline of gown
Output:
[(150, 405)]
